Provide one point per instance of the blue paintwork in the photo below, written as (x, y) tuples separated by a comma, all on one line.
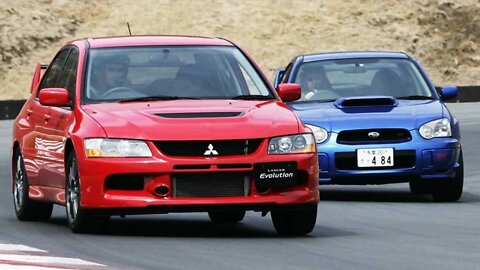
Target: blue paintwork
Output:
[(435, 158), (353, 55)]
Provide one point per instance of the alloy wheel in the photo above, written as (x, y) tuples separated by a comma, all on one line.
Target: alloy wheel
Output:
[(19, 185), (73, 191)]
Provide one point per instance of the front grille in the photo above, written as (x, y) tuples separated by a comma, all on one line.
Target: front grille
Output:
[(210, 184), (385, 135), (208, 148), (192, 167), (401, 159)]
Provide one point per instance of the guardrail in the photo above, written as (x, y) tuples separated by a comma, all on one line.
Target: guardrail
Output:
[(10, 108)]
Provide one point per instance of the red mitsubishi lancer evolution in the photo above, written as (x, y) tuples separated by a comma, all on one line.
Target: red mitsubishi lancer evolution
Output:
[(159, 124)]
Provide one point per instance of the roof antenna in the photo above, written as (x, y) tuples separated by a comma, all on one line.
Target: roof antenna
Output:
[(129, 32)]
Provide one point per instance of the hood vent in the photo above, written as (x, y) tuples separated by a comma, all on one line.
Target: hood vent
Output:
[(199, 115), (365, 101)]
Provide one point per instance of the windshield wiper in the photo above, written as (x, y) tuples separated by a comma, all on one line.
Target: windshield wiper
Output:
[(153, 98), (252, 97), (415, 97)]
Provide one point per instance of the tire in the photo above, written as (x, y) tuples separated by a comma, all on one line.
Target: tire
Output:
[(419, 187), (226, 216), (450, 189), (79, 220), (295, 222), (26, 209)]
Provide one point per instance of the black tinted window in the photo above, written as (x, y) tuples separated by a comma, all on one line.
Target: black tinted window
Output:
[(69, 75), (286, 74), (331, 79), (52, 75), (200, 72)]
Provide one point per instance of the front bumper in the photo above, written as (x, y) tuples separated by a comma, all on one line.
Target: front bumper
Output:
[(159, 169), (430, 159)]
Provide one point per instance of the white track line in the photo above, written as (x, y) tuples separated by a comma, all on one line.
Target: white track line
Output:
[(28, 267), (46, 260), (19, 248), (21, 257)]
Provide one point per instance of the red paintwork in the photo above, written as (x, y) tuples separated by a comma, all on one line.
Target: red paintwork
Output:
[(42, 133), (258, 117), (289, 91), (104, 42), (54, 97)]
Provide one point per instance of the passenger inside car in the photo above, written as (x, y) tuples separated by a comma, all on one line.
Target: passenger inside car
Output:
[(386, 82), (197, 80)]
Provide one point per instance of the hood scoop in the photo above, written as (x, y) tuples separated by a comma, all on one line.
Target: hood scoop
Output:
[(199, 115), (370, 101)]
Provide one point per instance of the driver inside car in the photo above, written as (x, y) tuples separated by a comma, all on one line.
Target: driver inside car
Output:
[(313, 79), (109, 73)]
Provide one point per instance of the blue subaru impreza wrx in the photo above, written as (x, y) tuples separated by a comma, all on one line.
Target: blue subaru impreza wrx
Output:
[(378, 119)]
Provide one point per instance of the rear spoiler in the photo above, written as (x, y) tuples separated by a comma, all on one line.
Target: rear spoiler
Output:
[(36, 76)]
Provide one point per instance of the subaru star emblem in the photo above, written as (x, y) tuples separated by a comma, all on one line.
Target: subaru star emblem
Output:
[(210, 151), (373, 135)]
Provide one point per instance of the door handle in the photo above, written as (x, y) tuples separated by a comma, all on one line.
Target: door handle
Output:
[(29, 112), (47, 117)]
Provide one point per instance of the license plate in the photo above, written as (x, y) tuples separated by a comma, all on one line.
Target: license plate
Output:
[(278, 174), (377, 157)]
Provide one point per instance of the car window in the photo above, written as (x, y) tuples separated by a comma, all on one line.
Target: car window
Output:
[(287, 72), (329, 80), (52, 75), (69, 75), (201, 72)]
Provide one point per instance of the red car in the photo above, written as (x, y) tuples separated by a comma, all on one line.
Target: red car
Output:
[(159, 124)]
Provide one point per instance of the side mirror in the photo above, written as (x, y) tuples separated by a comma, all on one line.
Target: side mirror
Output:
[(289, 91), (448, 92), (57, 97), (278, 75)]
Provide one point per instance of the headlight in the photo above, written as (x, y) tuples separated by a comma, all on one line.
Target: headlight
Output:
[(436, 128), (116, 148), (293, 144), (321, 134)]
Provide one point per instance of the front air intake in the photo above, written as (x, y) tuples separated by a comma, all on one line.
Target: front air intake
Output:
[(226, 184)]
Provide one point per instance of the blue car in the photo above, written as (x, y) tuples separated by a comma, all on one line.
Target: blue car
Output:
[(378, 119)]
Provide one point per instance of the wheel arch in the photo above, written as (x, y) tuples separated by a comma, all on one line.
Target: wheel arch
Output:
[(69, 148), (15, 147)]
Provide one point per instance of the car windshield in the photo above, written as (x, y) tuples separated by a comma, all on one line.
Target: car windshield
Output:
[(171, 72), (325, 81)]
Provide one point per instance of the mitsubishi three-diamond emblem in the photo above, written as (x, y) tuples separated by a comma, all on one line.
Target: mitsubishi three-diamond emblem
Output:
[(210, 151)]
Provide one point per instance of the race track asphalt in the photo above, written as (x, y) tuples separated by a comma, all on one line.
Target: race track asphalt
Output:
[(358, 227)]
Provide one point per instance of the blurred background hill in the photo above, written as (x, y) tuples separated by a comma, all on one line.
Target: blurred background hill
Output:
[(444, 35)]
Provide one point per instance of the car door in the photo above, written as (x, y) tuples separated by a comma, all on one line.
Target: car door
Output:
[(59, 119), (40, 114)]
